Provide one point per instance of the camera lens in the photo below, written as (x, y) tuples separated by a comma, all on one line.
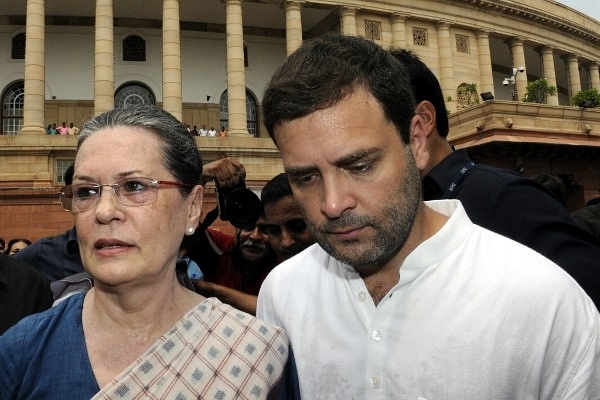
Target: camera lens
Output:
[(243, 207)]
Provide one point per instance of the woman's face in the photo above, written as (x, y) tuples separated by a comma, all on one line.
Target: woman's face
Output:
[(122, 244), (17, 247)]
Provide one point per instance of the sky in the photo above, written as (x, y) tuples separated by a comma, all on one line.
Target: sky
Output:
[(588, 7)]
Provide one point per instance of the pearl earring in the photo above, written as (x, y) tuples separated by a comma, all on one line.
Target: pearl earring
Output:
[(190, 231)]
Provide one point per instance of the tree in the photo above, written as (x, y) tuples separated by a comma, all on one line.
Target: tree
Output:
[(587, 98), (538, 91)]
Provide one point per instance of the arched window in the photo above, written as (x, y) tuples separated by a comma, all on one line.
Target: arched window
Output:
[(12, 109), (134, 94), (251, 112), (17, 51), (134, 48)]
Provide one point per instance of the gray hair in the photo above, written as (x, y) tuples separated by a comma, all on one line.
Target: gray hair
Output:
[(180, 153)]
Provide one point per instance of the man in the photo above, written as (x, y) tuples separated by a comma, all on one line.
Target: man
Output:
[(404, 299), (23, 291), (286, 228), (500, 200), (234, 267), (55, 257), (73, 130)]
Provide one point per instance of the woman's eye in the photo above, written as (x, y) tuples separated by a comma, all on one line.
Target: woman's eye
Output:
[(133, 186), (85, 192)]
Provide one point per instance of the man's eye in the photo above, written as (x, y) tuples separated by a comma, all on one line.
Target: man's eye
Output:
[(85, 192), (133, 186)]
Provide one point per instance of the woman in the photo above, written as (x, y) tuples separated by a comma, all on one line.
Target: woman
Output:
[(138, 332), (16, 245)]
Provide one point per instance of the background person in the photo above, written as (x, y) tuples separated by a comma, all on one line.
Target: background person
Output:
[(16, 245), (287, 231), (135, 194), (405, 299), (497, 199)]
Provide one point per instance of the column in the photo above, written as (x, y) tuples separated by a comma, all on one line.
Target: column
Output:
[(446, 65), (236, 74), (594, 76), (485, 62), (171, 68), (518, 57), (574, 78), (104, 73), (398, 30), (348, 21), (293, 25), (549, 72), (35, 84)]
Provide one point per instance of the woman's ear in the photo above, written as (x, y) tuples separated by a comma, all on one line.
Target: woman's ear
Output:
[(196, 199)]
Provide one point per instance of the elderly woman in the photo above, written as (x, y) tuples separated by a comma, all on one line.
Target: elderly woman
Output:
[(138, 333)]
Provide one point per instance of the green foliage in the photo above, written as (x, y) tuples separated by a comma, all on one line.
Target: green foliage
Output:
[(538, 91), (591, 95), (468, 92)]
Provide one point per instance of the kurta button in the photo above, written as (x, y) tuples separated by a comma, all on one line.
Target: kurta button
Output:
[(376, 335), (362, 296), (374, 382)]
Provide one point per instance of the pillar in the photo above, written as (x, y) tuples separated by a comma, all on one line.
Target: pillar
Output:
[(35, 83), (446, 65), (549, 72), (486, 76), (236, 74), (293, 25), (594, 76), (574, 78), (348, 16), (171, 65), (398, 30), (104, 74), (518, 57)]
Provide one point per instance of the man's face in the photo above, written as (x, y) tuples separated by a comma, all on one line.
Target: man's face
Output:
[(286, 227), (354, 179), (253, 245)]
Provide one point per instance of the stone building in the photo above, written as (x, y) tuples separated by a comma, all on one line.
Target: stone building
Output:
[(207, 62)]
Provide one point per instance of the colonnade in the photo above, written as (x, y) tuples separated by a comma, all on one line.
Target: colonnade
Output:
[(34, 100)]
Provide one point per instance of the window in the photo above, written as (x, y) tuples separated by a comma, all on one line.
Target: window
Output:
[(134, 94), (251, 112), (420, 36), (12, 109), (18, 47), (462, 44), (134, 48), (61, 167), (373, 30)]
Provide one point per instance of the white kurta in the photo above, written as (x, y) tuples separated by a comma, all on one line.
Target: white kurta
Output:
[(474, 316)]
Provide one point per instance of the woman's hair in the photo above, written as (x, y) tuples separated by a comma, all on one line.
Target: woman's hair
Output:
[(12, 242), (180, 153)]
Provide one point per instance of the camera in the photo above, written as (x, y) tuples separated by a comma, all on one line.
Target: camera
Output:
[(239, 205), (521, 68)]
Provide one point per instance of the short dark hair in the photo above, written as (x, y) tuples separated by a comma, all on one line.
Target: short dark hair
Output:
[(323, 71), (275, 189), (425, 86), (180, 153), (68, 176)]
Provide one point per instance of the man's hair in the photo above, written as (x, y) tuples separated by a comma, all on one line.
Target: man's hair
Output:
[(276, 189), (68, 176), (180, 153), (325, 70), (425, 86)]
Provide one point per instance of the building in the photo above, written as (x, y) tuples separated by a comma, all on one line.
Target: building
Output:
[(208, 61)]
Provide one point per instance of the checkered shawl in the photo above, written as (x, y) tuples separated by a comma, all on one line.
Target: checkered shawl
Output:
[(213, 352)]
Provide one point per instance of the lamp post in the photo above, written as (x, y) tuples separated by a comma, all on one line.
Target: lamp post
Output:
[(513, 80)]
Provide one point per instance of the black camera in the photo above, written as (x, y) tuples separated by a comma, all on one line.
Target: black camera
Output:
[(238, 205)]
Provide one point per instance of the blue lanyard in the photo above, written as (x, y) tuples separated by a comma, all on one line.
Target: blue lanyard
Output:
[(460, 175)]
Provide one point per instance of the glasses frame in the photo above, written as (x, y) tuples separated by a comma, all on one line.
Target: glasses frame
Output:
[(65, 194)]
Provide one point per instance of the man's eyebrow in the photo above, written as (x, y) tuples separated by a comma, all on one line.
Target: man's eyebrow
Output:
[(357, 156)]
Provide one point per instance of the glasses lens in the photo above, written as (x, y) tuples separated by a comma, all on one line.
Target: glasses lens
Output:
[(65, 196), (137, 191)]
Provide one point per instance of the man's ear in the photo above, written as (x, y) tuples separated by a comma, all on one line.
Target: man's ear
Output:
[(422, 127)]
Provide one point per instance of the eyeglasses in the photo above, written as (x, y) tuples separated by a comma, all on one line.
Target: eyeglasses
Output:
[(130, 191)]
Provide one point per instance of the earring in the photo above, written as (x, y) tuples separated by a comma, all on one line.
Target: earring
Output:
[(190, 231)]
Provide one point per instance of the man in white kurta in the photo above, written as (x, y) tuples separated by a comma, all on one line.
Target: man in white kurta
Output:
[(472, 317)]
